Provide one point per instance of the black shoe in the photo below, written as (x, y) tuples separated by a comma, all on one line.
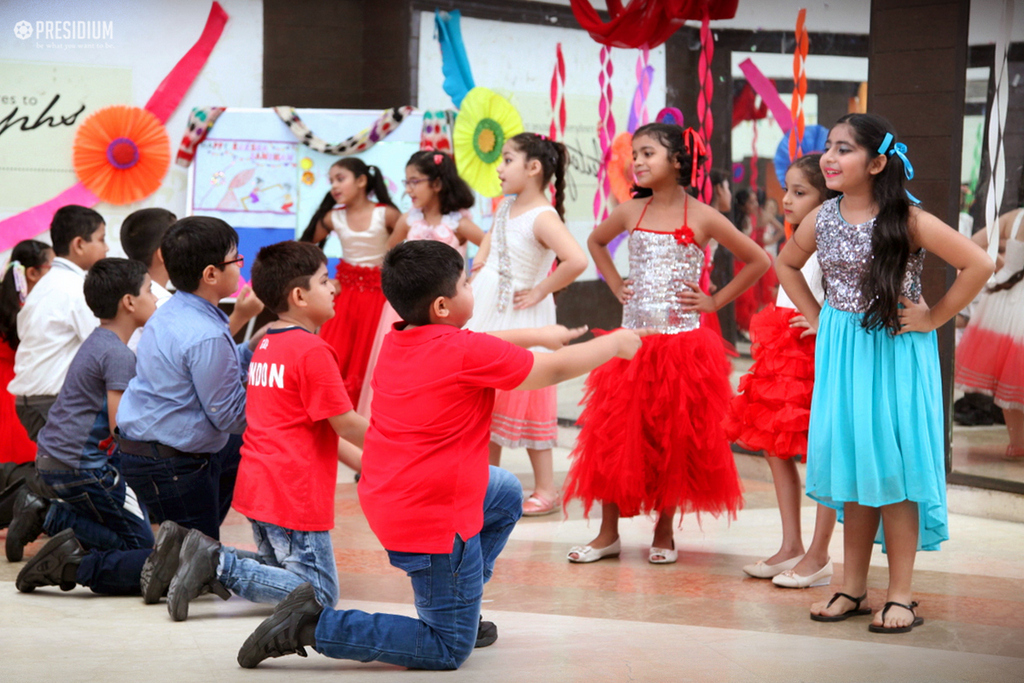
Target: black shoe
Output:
[(196, 575), (7, 497), (287, 631), (162, 563), (29, 513), (486, 633), (54, 565)]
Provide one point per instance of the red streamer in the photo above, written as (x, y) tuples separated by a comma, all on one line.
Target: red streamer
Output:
[(557, 131), (646, 23), (796, 135)]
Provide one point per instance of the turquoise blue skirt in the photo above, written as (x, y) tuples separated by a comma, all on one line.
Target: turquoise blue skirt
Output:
[(876, 429)]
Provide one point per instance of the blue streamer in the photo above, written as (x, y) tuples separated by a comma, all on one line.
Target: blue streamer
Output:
[(458, 78)]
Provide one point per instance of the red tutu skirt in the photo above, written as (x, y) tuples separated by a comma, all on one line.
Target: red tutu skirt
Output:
[(351, 331), (651, 434), (17, 447), (772, 411)]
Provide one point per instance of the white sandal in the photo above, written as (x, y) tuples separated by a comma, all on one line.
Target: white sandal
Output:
[(667, 555), (587, 553)]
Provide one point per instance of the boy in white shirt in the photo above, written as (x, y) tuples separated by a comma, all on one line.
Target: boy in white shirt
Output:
[(55, 319)]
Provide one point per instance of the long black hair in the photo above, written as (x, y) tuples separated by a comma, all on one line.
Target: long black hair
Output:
[(454, 193), (882, 283), (671, 138), (553, 158), (375, 184), (30, 254)]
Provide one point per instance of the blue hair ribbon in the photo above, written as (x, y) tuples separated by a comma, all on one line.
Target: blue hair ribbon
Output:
[(900, 150)]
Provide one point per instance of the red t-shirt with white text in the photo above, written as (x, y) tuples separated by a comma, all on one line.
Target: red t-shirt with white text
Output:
[(425, 469), (289, 467)]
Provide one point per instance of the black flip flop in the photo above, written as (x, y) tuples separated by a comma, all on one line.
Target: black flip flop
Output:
[(875, 628), (857, 611)]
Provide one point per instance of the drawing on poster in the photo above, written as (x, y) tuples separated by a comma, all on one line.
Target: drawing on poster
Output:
[(246, 176)]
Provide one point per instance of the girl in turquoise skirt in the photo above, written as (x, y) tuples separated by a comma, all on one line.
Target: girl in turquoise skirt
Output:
[(876, 451)]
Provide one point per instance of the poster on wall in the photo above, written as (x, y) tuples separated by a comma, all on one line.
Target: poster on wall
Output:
[(41, 107), (253, 173)]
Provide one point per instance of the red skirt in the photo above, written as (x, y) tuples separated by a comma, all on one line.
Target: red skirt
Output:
[(351, 331), (772, 411), (17, 447), (651, 435)]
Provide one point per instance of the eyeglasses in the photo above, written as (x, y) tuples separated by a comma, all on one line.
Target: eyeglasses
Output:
[(410, 184), (240, 261)]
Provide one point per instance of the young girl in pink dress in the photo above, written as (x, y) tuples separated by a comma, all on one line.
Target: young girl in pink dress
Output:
[(363, 226), (651, 438), (513, 289), (772, 410), (440, 211)]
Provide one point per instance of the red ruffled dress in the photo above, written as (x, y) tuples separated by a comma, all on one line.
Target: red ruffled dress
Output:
[(772, 410), (358, 306), (651, 435), (17, 447)]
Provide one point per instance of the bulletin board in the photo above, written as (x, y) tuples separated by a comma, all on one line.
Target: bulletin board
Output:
[(252, 172)]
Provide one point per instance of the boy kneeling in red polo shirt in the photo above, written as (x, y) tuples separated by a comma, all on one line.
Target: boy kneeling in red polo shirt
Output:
[(439, 510), (296, 408)]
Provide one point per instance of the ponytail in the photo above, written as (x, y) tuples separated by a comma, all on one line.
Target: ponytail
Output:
[(554, 160), (26, 254), (325, 208), (378, 184)]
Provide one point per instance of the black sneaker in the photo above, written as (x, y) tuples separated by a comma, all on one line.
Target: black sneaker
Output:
[(162, 563), (486, 633), (54, 565), (27, 524), (283, 632)]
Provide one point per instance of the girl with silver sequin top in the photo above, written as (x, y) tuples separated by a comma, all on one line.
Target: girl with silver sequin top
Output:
[(875, 444), (513, 289), (651, 438)]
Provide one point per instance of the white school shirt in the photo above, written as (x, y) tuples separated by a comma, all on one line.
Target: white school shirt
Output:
[(162, 295), (52, 325)]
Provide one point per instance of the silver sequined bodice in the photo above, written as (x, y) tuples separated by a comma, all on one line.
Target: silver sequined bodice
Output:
[(844, 252), (658, 267)]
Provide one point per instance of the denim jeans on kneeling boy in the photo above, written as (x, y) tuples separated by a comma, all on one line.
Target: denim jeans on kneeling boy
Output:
[(287, 558), (99, 506), (448, 589)]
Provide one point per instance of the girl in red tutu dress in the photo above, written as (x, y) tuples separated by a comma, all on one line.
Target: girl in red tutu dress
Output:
[(651, 438), (990, 358), (772, 410), (30, 260), (363, 227)]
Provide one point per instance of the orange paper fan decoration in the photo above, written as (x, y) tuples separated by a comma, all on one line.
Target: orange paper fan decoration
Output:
[(121, 154), (620, 167)]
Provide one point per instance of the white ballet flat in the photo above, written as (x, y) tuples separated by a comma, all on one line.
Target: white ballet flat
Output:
[(790, 579), (761, 570), (587, 553), (666, 555)]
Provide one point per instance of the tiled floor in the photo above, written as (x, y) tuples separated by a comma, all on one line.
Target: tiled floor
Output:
[(616, 620)]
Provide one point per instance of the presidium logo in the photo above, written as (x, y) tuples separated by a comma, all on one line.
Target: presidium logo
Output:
[(65, 30)]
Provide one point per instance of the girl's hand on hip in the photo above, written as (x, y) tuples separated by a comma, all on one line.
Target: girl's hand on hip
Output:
[(625, 291), (525, 298), (915, 317), (799, 320), (695, 299)]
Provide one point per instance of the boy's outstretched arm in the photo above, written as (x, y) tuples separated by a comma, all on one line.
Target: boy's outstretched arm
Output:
[(551, 337), (573, 361)]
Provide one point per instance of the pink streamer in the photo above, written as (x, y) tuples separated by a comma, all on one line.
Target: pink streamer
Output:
[(606, 134), (165, 100), (704, 96), (763, 87)]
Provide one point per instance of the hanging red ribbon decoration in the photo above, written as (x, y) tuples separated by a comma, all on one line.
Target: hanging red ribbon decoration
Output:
[(165, 100), (606, 135), (557, 130), (796, 136), (645, 23), (704, 95)]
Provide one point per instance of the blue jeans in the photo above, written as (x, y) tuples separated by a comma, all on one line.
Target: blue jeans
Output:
[(448, 590), (101, 509), (287, 559), (194, 492)]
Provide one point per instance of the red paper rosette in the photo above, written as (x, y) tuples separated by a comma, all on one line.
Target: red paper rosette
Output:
[(121, 154)]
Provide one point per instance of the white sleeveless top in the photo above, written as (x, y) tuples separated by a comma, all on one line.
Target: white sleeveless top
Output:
[(812, 273), (1013, 259), (362, 247)]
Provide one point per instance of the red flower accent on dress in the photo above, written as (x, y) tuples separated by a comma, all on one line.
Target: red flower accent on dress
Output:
[(684, 235)]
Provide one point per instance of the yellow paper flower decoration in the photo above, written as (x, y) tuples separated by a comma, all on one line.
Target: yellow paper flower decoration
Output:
[(121, 154), (485, 121)]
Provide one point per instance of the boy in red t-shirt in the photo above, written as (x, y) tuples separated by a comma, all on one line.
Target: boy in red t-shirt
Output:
[(296, 408), (439, 510)]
